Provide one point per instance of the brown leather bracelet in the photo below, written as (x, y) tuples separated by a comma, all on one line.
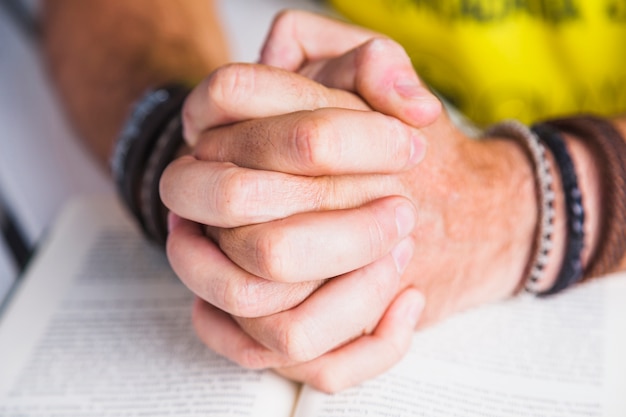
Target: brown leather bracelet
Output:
[(609, 151)]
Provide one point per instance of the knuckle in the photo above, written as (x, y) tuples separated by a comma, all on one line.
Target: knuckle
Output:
[(386, 281), (327, 193), (313, 141), (287, 22), (253, 358), (374, 47), (398, 146), (239, 195), (284, 21), (231, 86), (378, 236), (381, 283), (294, 342), (241, 298), (328, 381), (377, 57), (271, 249)]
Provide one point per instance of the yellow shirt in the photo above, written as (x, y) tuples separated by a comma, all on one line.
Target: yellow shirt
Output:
[(523, 59)]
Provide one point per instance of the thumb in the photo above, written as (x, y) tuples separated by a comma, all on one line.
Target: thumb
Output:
[(380, 72)]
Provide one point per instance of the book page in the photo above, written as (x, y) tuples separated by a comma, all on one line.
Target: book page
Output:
[(101, 327), (559, 357)]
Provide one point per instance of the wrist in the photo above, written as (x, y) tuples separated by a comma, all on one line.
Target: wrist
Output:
[(503, 209), (521, 213), (583, 149), (539, 231), (567, 224)]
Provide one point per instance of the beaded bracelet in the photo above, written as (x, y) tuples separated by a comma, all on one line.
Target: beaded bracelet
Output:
[(513, 129), (609, 151), (571, 270)]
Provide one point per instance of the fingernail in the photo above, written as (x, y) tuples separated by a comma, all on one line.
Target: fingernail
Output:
[(408, 87), (402, 254), (405, 219), (418, 148)]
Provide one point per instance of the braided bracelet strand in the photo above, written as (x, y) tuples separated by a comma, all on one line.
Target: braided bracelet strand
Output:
[(147, 143), (152, 209), (571, 270), (513, 129)]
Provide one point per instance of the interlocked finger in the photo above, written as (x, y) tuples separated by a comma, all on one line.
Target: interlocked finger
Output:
[(328, 141), (290, 250), (368, 355), (213, 277), (343, 309), (238, 92)]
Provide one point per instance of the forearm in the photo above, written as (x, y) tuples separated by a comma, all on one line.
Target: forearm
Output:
[(103, 54)]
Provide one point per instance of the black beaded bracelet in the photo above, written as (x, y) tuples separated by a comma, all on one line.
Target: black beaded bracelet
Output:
[(149, 120), (571, 270)]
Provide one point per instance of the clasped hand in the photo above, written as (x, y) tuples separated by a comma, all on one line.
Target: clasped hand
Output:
[(326, 197)]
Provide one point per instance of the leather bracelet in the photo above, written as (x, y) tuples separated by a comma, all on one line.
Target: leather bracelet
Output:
[(153, 210), (148, 120), (609, 151), (571, 270)]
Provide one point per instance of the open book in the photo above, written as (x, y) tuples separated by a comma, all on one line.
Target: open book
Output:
[(100, 327)]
